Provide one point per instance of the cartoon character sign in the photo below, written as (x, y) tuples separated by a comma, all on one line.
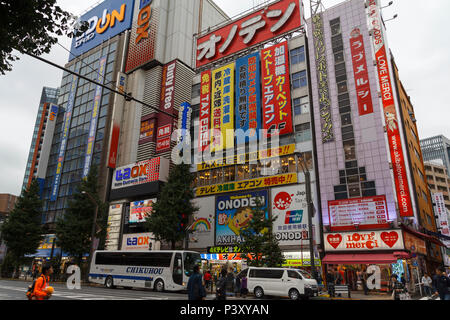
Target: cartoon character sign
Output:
[(234, 213), (391, 118)]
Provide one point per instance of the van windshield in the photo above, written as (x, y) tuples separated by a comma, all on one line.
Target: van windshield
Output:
[(305, 273)]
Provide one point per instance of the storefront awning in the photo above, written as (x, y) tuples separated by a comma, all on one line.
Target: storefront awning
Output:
[(423, 236), (360, 258)]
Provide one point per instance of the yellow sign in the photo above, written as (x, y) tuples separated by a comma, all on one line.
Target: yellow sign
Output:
[(279, 180), (248, 157), (222, 108), (301, 263)]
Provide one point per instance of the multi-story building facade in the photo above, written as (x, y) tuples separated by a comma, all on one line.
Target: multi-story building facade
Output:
[(438, 180), (436, 148), (42, 137), (7, 203)]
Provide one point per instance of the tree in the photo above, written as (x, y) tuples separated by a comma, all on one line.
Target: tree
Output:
[(259, 240), (22, 230), (172, 210), (31, 26), (73, 230)]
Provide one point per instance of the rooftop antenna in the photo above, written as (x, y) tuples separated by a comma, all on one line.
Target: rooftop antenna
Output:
[(316, 7)]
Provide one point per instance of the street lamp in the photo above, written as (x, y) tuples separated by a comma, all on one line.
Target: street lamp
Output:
[(310, 212), (91, 253)]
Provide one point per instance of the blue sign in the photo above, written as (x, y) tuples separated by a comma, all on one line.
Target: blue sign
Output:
[(94, 117), (105, 21), (65, 137), (248, 95)]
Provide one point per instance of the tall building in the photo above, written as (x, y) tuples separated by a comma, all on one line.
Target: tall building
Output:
[(438, 180), (42, 137), (437, 148), (7, 203)]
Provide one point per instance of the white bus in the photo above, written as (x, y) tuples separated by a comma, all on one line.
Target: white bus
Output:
[(158, 270)]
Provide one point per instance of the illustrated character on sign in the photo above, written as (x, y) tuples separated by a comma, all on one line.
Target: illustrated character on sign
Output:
[(391, 120), (240, 220)]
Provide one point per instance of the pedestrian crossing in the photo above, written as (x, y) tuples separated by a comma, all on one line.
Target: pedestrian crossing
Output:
[(82, 296)]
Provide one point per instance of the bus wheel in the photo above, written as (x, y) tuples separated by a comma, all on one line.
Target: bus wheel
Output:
[(159, 285), (109, 283)]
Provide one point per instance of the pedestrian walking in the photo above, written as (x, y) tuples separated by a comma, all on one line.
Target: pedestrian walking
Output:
[(42, 290), (364, 277), (396, 287), (208, 283), (237, 286), (442, 284), (195, 288), (330, 278), (244, 289), (221, 286), (427, 283)]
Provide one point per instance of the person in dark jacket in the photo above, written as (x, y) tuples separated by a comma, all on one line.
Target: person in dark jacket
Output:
[(441, 284), (330, 282), (196, 290), (221, 287)]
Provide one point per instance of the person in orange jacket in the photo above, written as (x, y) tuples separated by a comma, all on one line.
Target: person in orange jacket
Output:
[(42, 283)]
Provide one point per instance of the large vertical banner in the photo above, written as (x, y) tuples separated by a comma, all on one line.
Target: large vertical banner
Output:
[(390, 113), (277, 110), (361, 73), (205, 111), (65, 137), (234, 213), (166, 104), (94, 117), (441, 213), (248, 95), (222, 109)]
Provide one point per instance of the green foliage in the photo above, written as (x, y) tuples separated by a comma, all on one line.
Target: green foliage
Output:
[(22, 230), (30, 26), (73, 231), (259, 240), (174, 207)]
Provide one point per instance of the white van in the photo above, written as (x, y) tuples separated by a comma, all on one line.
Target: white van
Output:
[(282, 282)]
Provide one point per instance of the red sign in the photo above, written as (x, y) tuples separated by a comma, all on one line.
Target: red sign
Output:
[(390, 113), (361, 73), (114, 146), (147, 131), (276, 85), (364, 213), (205, 110), (364, 241), (272, 21)]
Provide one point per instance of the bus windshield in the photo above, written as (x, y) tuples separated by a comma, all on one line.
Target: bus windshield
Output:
[(190, 260)]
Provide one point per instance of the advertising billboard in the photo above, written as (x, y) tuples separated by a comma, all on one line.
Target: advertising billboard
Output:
[(143, 35), (142, 172), (441, 213), (138, 241), (389, 111), (290, 209), (364, 241), (363, 213), (140, 210), (147, 130), (203, 226), (105, 21), (205, 111), (276, 89), (248, 95), (113, 226), (65, 137), (260, 26), (94, 116), (234, 213), (361, 73), (222, 107), (114, 146)]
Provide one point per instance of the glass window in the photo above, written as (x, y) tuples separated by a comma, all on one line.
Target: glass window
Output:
[(298, 55), (195, 90), (301, 105), (299, 80), (346, 119), (303, 132), (350, 150), (354, 191)]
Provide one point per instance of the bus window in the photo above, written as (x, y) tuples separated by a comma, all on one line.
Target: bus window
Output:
[(177, 270), (190, 260)]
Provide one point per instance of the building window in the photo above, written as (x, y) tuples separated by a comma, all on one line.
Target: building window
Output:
[(301, 106), (299, 80), (303, 132), (298, 55)]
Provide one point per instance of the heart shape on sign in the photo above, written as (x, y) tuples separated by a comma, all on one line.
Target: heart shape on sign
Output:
[(390, 238), (334, 240)]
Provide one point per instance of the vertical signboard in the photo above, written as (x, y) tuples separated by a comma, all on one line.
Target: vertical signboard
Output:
[(114, 146), (147, 130), (202, 229), (94, 117), (248, 95), (166, 103), (326, 119), (65, 137), (277, 110), (184, 121), (361, 73), (389, 110), (113, 227), (205, 111), (222, 109), (441, 213)]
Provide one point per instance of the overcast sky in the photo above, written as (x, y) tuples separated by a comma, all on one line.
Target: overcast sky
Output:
[(418, 39)]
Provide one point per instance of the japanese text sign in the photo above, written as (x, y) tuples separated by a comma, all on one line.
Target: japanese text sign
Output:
[(260, 26), (276, 89), (248, 95), (205, 111)]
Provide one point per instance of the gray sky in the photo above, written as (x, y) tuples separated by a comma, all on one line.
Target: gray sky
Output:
[(417, 38)]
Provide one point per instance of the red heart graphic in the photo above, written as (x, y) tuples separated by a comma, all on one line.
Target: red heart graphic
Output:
[(334, 240), (390, 238)]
